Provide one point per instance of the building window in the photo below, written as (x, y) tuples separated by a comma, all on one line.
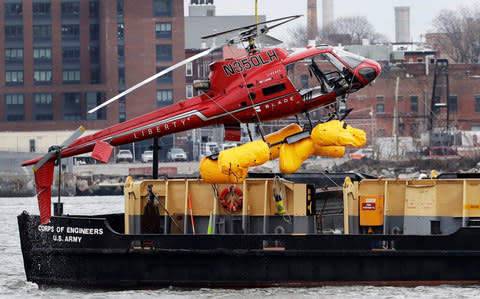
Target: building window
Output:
[(189, 69), (95, 75), (71, 31), (121, 52), (120, 7), (122, 109), (93, 9), (94, 32), (93, 100), (42, 77), (162, 8), (42, 54), (14, 55), (70, 9), (203, 70), (43, 106), (13, 10), (14, 32), (400, 98), (14, 107), (380, 108), (380, 98), (42, 32), (94, 54), (71, 76), (477, 103), (41, 9), (164, 53), (165, 79), (163, 30), (70, 54), (122, 116), (14, 77), (121, 78), (189, 91), (120, 31), (72, 106), (452, 104), (414, 104), (164, 97)]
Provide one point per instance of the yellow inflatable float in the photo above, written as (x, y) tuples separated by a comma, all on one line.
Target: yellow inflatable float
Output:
[(210, 172), (336, 132), (327, 139), (249, 154), (274, 138)]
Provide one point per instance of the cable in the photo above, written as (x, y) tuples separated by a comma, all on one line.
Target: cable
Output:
[(262, 132)]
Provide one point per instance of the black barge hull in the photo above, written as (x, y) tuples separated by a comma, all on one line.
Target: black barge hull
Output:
[(87, 252)]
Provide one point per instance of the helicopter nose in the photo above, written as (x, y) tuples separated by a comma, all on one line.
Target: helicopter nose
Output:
[(369, 70)]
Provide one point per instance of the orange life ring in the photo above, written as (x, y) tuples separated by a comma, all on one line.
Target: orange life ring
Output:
[(231, 199)]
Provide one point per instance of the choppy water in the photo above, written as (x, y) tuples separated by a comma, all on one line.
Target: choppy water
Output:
[(14, 285)]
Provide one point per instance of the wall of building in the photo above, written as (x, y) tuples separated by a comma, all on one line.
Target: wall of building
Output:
[(124, 32), (464, 81), (22, 141), (140, 61)]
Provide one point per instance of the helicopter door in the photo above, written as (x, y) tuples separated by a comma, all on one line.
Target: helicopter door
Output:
[(315, 75)]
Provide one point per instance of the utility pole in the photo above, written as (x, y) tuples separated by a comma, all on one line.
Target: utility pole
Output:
[(372, 129), (395, 118)]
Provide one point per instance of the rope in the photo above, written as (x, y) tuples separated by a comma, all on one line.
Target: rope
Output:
[(252, 103)]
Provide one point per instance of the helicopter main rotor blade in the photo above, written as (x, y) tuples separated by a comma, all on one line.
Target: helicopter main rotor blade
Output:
[(78, 132), (66, 143), (159, 74), (287, 19)]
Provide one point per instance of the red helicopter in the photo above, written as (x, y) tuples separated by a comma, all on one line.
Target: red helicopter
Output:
[(263, 85)]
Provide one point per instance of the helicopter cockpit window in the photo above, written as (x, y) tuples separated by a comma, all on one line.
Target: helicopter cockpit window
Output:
[(319, 74), (351, 59)]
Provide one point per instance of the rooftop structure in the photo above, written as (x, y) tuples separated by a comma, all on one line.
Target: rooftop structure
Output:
[(327, 12), (402, 24)]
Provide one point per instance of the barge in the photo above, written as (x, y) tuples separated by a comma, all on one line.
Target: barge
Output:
[(293, 230)]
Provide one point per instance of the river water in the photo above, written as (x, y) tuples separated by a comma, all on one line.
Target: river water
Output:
[(14, 285)]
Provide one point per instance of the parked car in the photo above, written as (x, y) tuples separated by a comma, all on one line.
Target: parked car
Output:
[(176, 154), (124, 155), (225, 146), (363, 153), (147, 156)]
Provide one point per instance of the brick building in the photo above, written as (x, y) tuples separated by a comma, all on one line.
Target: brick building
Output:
[(60, 58), (415, 88)]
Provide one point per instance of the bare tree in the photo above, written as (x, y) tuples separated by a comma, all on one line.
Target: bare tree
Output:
[(345, 30), (350, 31), (297, 36), (458, 34)]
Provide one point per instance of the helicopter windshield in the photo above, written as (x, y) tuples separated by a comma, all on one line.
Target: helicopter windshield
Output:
[(351, 59), (321, 73)]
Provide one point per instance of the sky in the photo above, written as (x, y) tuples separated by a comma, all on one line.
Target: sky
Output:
[(380, 13)]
